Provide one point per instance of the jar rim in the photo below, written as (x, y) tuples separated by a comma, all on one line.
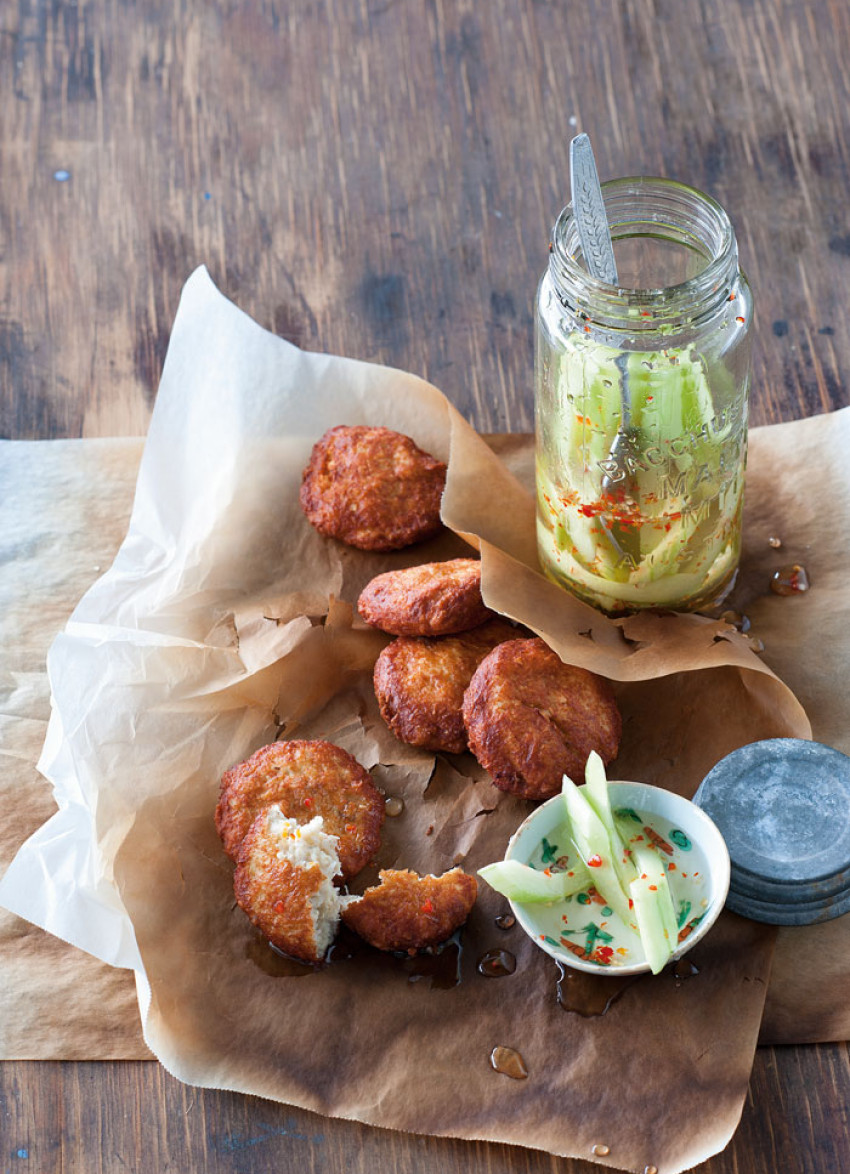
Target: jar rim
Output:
[(653, 204)]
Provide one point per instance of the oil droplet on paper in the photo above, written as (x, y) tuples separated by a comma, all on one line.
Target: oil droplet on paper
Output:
[(509, 1062), (438, 967), (587, 995), (776, 544), (790, 580), (274, 962), (496, 963), (505, 921), (684, 968), (441, 965), (394, 805), (601, 1151)]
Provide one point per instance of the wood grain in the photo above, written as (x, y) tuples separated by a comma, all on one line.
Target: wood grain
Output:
[(103, 1118), (378, 179)]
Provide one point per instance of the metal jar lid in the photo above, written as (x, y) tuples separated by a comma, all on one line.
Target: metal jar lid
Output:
[(783, 807)]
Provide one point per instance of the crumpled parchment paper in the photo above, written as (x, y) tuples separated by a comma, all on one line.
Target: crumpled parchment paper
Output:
[(225, 620)]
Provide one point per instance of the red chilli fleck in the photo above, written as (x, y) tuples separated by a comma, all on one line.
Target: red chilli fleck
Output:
[(427, 905), (594, 861)]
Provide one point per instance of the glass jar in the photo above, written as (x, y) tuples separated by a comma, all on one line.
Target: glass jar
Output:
[(641, 404)]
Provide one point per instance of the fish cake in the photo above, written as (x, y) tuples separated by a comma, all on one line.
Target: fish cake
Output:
[(420, 682), (284, 882), (305, 779), (434, 599), (372, 488), (530, 718), (406, 911)]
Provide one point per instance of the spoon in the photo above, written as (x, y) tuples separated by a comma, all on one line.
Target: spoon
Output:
[(598, 251), (589, 212)]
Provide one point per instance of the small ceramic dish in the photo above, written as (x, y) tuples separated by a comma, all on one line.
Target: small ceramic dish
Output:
[(581, 931)]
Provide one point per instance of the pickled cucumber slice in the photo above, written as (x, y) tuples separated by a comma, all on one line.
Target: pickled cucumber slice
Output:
[(519, 882), (593, 844), (650, 866), (676, 546), (596, 792), (650, 897)]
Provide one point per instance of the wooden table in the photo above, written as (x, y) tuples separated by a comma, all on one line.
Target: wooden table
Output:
[(378, 179)]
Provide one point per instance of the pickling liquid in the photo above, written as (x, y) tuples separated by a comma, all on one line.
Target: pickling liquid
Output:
[(588, 996), (639, 506), (496, 963), (790, 580), (584, 926)]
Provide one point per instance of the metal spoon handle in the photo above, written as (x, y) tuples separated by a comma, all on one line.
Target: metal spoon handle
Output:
[(589, 210)]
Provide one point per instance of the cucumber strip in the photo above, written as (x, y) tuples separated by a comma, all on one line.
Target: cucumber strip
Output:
[(651, 866), (596, 793), (668, 912), (671, 398), (646, 858), (656, 939), (664, 589), (519, 882), (593, 844)]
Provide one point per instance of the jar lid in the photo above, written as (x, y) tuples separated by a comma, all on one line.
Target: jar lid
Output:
[(783, 807)]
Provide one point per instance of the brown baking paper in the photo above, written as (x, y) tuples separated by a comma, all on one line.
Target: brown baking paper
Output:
[(226, 620), (64, 509)]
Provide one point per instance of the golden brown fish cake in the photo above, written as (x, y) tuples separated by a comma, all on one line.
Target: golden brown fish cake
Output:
[(420, 683), (372, 488), (531, 718), (411, 912), (434, 599), (284, 883), (306, 779)]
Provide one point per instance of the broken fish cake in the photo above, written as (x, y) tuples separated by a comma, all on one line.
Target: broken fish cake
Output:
[(409, 912), (305, 779), (284, 882)]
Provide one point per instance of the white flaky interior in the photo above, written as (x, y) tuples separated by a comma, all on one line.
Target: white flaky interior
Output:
[(306, 844)]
